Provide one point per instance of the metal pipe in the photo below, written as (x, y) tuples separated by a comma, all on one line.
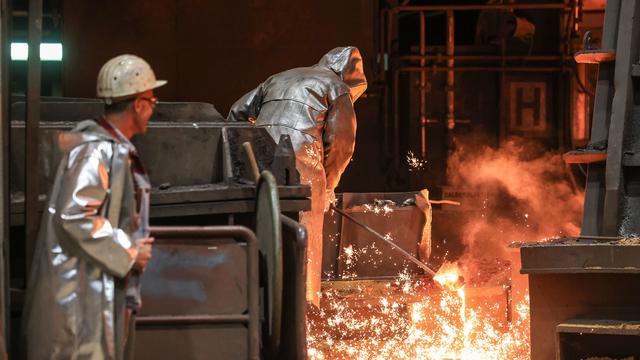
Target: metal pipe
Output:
[(482, 7), (423, 87), (396, 119), (450, 72), (485, 68), (440, 57), (412, 258), (32, 168), (191, 319)]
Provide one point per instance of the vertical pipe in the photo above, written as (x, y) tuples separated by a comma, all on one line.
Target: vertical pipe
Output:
[(502, 114), (5, 128), (384, 32), (32, 168), (423, 87), (450, 72), (396, 119)]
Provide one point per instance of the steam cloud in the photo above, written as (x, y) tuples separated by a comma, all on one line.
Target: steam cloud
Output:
[(525, 195)]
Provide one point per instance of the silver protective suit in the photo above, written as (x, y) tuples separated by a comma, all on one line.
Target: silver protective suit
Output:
[(314, 106), (85, 250)]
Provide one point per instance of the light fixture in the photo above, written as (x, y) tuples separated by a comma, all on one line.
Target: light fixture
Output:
[(48, 51)]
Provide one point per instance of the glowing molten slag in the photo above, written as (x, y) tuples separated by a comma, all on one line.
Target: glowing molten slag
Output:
[(449, 277), (410, 319)]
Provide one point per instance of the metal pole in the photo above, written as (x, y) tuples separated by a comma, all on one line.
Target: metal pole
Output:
[(450, 71), (485, 68), (32, 169), (423, 86), (483, 57), (481, 7), (5, 128)]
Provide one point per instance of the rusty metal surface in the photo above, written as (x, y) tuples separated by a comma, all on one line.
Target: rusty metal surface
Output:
[(556, 298), (185, 158), (200, 294), (580, 256), (380, 259)]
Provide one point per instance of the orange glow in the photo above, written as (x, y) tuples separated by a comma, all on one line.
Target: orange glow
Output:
[(449, 277), (477, 307)]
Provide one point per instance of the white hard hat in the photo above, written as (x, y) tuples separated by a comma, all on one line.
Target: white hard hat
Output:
[(125, 75)]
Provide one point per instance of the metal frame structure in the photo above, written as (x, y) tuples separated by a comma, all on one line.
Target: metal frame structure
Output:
[(251, 318), (392, 66)]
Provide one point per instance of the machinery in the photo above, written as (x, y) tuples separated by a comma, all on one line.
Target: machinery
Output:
[(585, 291), (227, 274)]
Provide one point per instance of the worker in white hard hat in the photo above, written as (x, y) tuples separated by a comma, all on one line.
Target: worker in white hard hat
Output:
[(94, 237)]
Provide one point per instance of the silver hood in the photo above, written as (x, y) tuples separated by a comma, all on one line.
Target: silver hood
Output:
[(346, 62)]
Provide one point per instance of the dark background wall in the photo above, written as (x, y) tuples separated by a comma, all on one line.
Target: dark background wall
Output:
[(211, 51), (215, 51)]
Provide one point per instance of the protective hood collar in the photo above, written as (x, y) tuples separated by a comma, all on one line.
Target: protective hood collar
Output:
[(346, 62)]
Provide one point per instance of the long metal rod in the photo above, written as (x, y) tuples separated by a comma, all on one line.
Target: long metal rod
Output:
[(192, 319), (423, 87), (482, 7), (413, 259), (32, 188), (451, 123), (482, 57), (396, 120)]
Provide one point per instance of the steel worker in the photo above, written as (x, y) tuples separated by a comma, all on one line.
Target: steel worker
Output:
[(94, 238), (314, 106)]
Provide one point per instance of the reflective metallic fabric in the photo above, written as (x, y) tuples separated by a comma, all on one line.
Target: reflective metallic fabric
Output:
[(314, 106), (76, 292)]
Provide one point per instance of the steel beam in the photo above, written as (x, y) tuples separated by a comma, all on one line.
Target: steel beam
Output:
[(621, 106), (32, 188), (5, 198)]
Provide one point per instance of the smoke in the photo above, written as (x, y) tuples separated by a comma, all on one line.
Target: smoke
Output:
[(524, 195)]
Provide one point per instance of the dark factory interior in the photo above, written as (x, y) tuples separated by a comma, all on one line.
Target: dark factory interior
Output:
[(337, 179)]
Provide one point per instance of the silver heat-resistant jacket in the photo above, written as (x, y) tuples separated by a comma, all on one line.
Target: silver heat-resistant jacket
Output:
[(311, 104), (314, 106), (76, 292)]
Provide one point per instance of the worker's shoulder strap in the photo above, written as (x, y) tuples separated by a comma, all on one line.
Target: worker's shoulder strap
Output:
[(117, 173)]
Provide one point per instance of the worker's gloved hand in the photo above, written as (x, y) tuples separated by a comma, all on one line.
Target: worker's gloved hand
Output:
[(144, 253), (329, 199)]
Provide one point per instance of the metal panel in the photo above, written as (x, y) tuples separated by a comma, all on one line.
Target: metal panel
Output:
[(379, 259), (200, 295), (626, 54), (580, 257), (188, 278), (556, 298)]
